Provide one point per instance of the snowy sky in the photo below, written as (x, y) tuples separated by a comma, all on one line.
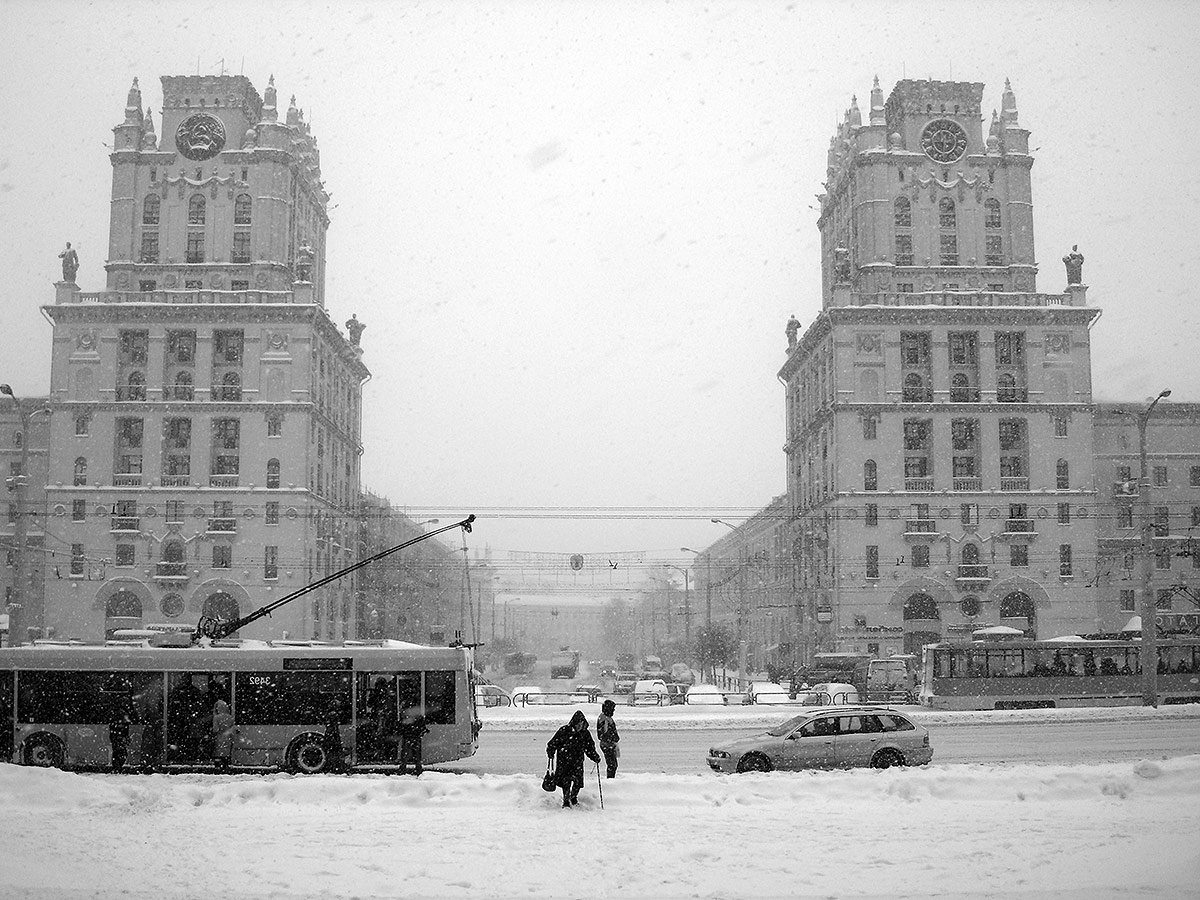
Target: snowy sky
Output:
[(575, 230)]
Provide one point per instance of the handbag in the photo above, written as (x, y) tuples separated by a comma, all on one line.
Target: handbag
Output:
[(549, 781)]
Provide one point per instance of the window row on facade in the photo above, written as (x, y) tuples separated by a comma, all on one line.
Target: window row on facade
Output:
[(197, 219), (947, 233), (969, 569), (171, 566), (1125, 483), (179, 364)]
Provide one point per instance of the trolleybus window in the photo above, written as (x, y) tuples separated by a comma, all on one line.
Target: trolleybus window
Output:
[(285, 698), (439, 698)]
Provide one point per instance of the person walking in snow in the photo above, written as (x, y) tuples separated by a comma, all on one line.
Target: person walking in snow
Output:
[(606, 731), (571, 743)]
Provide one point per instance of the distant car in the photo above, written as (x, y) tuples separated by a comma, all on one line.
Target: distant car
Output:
[(676, 693), (828, 737), (650, 692), (624, 682), (589, 692), (833, 693), (492, 695), (527, 695), (768, 692), (706, 695)]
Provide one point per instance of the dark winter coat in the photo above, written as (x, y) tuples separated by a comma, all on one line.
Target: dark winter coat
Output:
[(571, 745), (606, 731)]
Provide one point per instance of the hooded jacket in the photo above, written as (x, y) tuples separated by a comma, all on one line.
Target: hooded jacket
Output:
[(571, 745)]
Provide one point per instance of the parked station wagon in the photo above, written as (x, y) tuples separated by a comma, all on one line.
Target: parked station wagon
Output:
[(828, 737)]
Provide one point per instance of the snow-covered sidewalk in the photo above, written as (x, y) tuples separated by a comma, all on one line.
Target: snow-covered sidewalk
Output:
[(948, 831)]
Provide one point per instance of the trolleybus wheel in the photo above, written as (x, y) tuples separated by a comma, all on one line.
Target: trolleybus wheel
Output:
[(307, 755), (44, 750)]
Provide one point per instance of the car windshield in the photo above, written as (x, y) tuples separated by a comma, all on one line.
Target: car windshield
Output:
[(785, 727)]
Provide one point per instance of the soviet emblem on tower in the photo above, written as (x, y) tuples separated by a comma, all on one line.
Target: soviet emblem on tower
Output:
[(200, 136), (944, 141)]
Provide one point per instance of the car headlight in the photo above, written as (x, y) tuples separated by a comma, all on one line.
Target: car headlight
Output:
[(719, 754)]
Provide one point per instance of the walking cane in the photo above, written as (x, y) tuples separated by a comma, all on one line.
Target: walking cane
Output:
[(600, 785)]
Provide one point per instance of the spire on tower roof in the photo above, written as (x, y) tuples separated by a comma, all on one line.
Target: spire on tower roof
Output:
[(293, 114), (1008, 105), (269, 112), (877, 110), (853, 115), (133, 104), (149, 138)]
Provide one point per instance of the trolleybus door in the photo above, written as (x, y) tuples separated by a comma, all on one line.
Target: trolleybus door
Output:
[(191, 697)]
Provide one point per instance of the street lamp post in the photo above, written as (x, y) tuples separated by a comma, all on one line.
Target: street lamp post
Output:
[(17, 618), (1149, 604), (687, 602), (707, 601)]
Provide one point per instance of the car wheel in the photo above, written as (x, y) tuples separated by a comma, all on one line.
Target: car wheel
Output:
[(887, 758), (44, 750), (307, 755), (754, 762)]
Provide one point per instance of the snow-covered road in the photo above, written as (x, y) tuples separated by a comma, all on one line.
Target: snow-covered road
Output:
[(945, 830)]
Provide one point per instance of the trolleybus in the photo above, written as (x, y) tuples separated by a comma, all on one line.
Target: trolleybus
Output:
[(300, 706), (1029, 674)]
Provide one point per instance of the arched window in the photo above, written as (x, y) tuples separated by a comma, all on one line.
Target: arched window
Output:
[(914, 389), (196, 210), (1006, 388), (272, 473), (947, 217), (970, 555), (1062, 472), (870, 479), (960, 389), (231, 387), (921, 606), (991, 213), (122, 610), (150, 209), (220, 605), (80, 470), (241, 210), (1017, 605), (903, 212)]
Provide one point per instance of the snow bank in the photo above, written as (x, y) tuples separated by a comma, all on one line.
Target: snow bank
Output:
[(742, 717), (935, 831)]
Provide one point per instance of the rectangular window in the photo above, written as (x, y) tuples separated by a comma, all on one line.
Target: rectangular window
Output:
[(237, 285), (78, 510), (1128, 601), (272, 512), (873, 561), (1010, 348), (969, 513), (124, 555), (1162, 521), (77, 560), (948, 249), (439, 698), (1064, 514), (920, 556), (241, 247), (1160, 476), (195, 247), (1162, 558), (872, 519), (149, 247), (82, 426), (270, 562), (1124, 516), (193, 284), (964, 348), (904, 250), (993, 250), (997, 288), (1195, 515), (914, 348), (1124, 473), (174, 511), (904, 287), (222, 556), (1060, 426), (1194, 476), (286, 698), (1163, 598), (132, 348), (1018, 555), (146, 285), (274, 425), (1064, 560)]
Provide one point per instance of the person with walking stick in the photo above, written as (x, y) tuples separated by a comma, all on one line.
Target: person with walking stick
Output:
[(570, 744)]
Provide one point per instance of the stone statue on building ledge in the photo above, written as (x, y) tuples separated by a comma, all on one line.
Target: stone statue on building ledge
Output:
[(1074, 264), (791, 330), (304, 261), (70, 263), (841, 265), (355, 328)]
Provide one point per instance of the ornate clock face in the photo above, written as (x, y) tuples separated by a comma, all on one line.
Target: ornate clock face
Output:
[(200, 136), (944, 141)]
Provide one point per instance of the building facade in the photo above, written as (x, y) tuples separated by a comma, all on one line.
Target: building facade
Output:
[(206, 410), (24, 549), (939, 427)]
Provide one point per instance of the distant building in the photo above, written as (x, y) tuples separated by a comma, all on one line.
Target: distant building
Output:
[(24, 453), (939, 425), (206, 425)]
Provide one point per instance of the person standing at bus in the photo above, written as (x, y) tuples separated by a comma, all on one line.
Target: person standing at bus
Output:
[(606, 731), (223, 730), (571, 743), (121, 716), (412, 730), (382, 709)]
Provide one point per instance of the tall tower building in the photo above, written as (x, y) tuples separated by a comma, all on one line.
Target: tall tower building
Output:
[(939, 408), (206, 423)]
